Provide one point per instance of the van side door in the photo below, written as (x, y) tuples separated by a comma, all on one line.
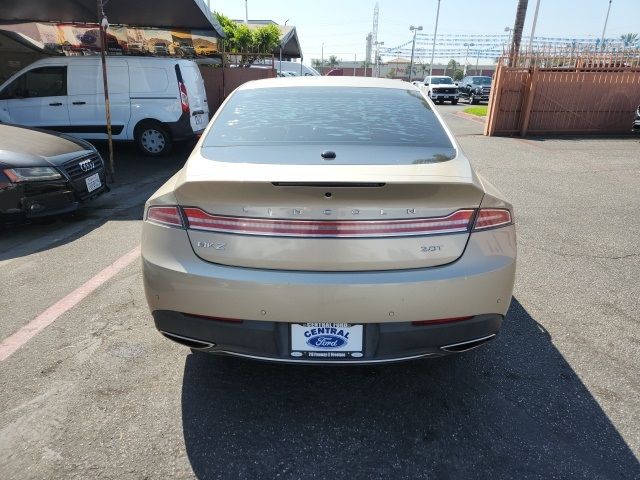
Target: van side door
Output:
[(86, 99), (38, 98)]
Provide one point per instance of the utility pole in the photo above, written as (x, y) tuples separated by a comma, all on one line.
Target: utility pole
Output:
[(606, 20), (377, 62), (246, 11), (354, 64), (466, 56), (413, 47), (322, 60), (533, 26), (104, 24), (435, 34), (509, 30)]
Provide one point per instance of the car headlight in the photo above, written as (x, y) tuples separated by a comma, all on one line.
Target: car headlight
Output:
[(32, 174)]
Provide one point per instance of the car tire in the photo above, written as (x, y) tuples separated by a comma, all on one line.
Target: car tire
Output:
[(472, 99), (454, 102), (152, 138)]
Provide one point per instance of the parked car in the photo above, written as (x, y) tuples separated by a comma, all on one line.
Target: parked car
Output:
[(160, 48), (475, 89), (44, 173), (154, 101), (136, 48), (441, 88), (183, 49), (328, 220), (299, 68), (636, 121)]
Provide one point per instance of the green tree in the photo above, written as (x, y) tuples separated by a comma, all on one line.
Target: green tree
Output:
[(391, 73), (240, 38), (458, 75), (422, 69), (317, 63), (630, 39), (333, 61), (452, 65), (266, 38), (243, 39)]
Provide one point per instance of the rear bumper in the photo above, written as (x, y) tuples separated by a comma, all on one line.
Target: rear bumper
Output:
[(479, 283), (182, 129), (384, 342)]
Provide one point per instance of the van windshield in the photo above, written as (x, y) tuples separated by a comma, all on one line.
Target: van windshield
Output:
[(327, 115)]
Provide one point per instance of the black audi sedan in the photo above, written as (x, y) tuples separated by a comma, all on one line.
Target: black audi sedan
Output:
[(46, 173)]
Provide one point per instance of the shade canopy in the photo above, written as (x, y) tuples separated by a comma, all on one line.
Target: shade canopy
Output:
[(193, 14)]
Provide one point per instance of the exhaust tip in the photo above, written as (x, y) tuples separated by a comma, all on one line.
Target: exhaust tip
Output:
[(468, 345), (188, 342)]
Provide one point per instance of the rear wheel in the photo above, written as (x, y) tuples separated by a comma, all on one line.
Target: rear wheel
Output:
[(152, 138), (454, 102)]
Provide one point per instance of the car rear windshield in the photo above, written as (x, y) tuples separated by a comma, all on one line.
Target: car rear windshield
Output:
[(328, 116)]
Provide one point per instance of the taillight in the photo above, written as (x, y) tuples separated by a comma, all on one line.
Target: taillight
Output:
[(492, 218), (184, 98), (169, 216), (457, 222)]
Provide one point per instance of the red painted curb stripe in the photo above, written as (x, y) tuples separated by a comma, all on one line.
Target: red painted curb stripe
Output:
[(12, 343)]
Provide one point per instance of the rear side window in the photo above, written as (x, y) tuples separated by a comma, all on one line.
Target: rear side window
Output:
[(148, 80), (328, 116), (39, 82)]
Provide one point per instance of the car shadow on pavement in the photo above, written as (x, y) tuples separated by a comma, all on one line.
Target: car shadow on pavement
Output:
[(512, 409)]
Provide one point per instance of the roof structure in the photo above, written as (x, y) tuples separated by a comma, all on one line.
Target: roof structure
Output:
[(192, 14)]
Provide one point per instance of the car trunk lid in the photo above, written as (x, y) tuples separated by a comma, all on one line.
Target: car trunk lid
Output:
[(328, 217)]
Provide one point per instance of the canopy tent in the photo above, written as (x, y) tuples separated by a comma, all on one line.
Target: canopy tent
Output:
[(188, 14), (192, 14)]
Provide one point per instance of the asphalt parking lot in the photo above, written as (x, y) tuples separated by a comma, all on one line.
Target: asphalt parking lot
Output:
[(99, 394)]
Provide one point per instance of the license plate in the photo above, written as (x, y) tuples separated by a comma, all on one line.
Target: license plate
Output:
[(93, 182), (327, 340), (199, 119)]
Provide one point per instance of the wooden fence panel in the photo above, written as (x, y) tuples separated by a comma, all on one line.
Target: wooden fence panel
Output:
[(593, 95), (220, 82)]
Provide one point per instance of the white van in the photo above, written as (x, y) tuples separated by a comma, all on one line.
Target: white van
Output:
[(154, 101)]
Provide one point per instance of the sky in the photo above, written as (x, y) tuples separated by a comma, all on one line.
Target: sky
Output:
[(342, 25)]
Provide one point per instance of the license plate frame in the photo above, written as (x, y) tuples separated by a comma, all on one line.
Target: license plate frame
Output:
[(93, 182), (326, 341)]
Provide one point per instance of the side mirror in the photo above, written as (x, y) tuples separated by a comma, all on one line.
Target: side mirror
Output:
[(426, 84)]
